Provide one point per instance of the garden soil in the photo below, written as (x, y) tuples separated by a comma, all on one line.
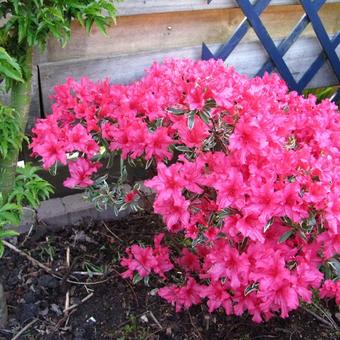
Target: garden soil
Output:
[(84, 279)]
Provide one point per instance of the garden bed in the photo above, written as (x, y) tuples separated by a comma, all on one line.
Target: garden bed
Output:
[(84, 259)]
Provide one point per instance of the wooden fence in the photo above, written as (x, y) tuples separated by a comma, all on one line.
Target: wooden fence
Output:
[(149, 30)]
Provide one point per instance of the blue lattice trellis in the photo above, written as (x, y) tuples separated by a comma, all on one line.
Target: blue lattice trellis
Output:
[(252, 19)]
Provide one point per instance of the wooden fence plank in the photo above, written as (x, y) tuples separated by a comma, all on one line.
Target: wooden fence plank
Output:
[(134, 34), (247, 59), (133, 7)]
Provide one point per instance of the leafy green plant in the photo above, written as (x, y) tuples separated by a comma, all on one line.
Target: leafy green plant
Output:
[(10, 213), (10, 134), (29, 24), (321, 93), (9, 68), (29, 188)]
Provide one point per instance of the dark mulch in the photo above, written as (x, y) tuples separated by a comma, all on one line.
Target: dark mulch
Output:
[(116, 309)]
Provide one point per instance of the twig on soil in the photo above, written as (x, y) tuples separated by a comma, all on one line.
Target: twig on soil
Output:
[(87, 283), (23, 330), (327, 315), (129, 284), (154, 319), (30, 258), (195, 327), (67, 297), (47, 269), (77, 304), (150, 336), (28, 235), (88, 273), (112, 233), (65, 328), (318, 317)]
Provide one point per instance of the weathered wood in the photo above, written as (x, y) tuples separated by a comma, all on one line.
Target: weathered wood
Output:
[(247, 59), (142, 33), (133, 7)]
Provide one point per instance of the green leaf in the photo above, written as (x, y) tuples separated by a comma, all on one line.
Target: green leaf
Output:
[(9, 217), (136, 278), (22, 23), (8, 233), (205, 116), (182, 148), (286, 236), (268, 224), (2, 249), (251, 288), (9, 67), (101, 24), (177, 112), (191, 120), (88, 24)]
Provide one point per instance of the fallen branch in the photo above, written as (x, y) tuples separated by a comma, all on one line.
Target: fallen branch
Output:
[(47, 269), (29, 257), (23, 330), (112, 233), (68, 263), (88, 273), (326, 322), (77, 304)]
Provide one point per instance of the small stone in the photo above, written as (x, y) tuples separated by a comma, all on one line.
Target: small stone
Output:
[(27, 311), (79, 333), (91, 320), (12, 279), (144, 318), (29, 297), (48, 281)]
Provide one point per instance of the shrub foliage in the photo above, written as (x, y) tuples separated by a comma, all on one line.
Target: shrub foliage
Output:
[(247, 180)]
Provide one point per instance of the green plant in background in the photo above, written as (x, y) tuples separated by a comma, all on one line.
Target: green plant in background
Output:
[(29, 24), (322, 92), (26, 25), (9, 213), (29, 189), (10, 134)]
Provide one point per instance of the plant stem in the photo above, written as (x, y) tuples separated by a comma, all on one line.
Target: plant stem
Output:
[(20, 101)]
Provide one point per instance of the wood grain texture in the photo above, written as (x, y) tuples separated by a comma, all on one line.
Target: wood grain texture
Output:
[(150, 32), (133, 7), (247, 59)]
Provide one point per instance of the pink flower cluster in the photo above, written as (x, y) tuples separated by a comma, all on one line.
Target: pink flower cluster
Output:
[(248, 174)]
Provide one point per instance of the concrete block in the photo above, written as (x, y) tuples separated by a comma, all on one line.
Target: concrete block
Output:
[(53, 213), (78, 209)]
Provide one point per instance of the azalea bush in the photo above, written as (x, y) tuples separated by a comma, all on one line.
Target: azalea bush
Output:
[(246, 180)]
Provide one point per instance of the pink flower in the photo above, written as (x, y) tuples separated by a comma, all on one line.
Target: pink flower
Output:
[(81, 171), (157, 144), (168, 182), (182, 297), (130, 196), (229, 187), (174, 211), (51, 151), (188, 261), (331, 289), (141, 260), (217, 296), (248, 138)]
